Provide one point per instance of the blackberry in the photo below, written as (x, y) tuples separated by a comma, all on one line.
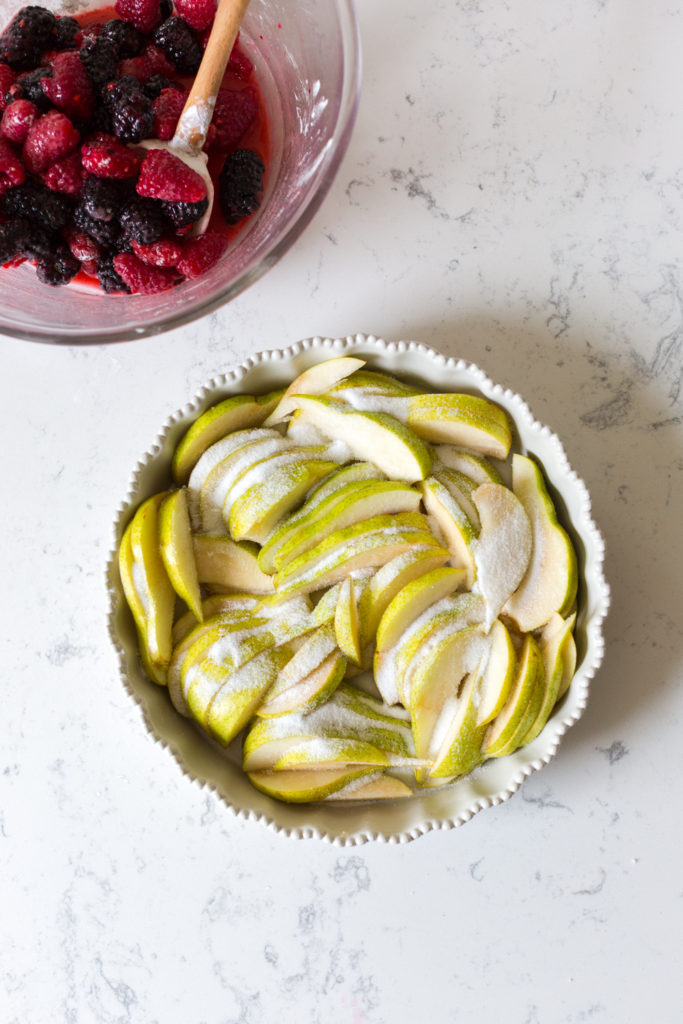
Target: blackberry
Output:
[(131, 116), (31, 31), (101, 198), (38, 243), (28, 87), (108, 277), (99, 58), (182, 215), (179, 43), (36, 203), (58, 268), (240, 185), (143, 220), (125, 38), (67, 30), (104, 232), (153, 86), (14, 235)]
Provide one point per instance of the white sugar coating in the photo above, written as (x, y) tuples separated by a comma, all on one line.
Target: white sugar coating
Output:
[(339, 452), (211, 504), (140, 584), (265, 473), (301, 432), (212, 456), (355, 785), (372, 401), (247, 678), (332, 719), (194, 122), (501, 556), (229, 646), (309, 657), (385, 677), (295, 608)]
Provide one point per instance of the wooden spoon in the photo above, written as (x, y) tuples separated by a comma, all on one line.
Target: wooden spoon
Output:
[(193, 124)]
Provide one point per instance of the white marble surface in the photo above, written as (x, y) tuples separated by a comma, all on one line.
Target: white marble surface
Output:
[(512, 195)]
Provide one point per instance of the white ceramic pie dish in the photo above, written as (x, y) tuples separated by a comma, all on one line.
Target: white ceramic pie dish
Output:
[(389, 821)]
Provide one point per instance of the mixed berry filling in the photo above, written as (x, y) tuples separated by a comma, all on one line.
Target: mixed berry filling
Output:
[(79, 197)]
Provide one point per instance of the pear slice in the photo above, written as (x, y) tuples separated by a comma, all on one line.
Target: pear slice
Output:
[(177, 552), (378, 786), (346, 625), (458, 735), (503, 548), (413, 600), (373, 437), (302, 787), (350, 473), (152, 585), (508, 728), (499, 674), (335, 752), (231, 414), (385, 584), (436, 684), (234, 704), (314, 381), (318, 645), (241, 604), (127, 573), (221, 478), (457, 529), (306, 693), (370, 382), (326, 608), (459, 419), (233, 566), (550, 582), (568, 665), (269, 490), (215, 455), (476, 467), (351, 504), (553, 645)]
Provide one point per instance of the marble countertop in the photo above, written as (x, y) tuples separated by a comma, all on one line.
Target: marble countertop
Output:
[(513, 194)]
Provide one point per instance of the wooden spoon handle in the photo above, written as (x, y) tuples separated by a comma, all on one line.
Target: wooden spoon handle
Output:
[(195, 119)]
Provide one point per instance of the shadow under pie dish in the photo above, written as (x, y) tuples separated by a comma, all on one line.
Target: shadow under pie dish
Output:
[(380, 547)]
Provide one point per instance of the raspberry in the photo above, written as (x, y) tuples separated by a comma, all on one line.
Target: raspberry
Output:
[(157, 61), (167, 108), (182, 215), (144, 14), (131, 117), (199, 14), (99, 57), (200, 254), (69, 87), (164, 176), (153, 86), (234, 114), (67, 31), (102, 198), (7, 77), (31, 31), (125, 38), (143, 220), (179, 43), (105, 232), (34, 202), (106, 157), (50, 137), (82, 247), (17, 119), (164, 253), (58, 268), (65, 175), (135, 67), (239, 64), (141, 277), (240, 184), (108, 278)]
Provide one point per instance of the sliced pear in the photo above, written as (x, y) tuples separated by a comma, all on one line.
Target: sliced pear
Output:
[(458, 735), (461, 488), (351, 504), (346, 625), (503, 548), (371, 382), (499, 674), (222, 477), (378, 786), (476, 467), (509, 727), (436, 684), (553, 646), (385, 584), (550, 582), (314, 381), (177, 552), (373, 437), (334, 752), (413, 600), (234, 704), (460, 419), (568, 665), (232, 566), (306, 693), (351, 473), (152, 585), (326, 608), (126, 571), (231, 414), (457, 529), (240, 604), (301, 787)]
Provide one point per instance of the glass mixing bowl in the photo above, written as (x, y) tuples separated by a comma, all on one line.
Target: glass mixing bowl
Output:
[(307, 61)]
